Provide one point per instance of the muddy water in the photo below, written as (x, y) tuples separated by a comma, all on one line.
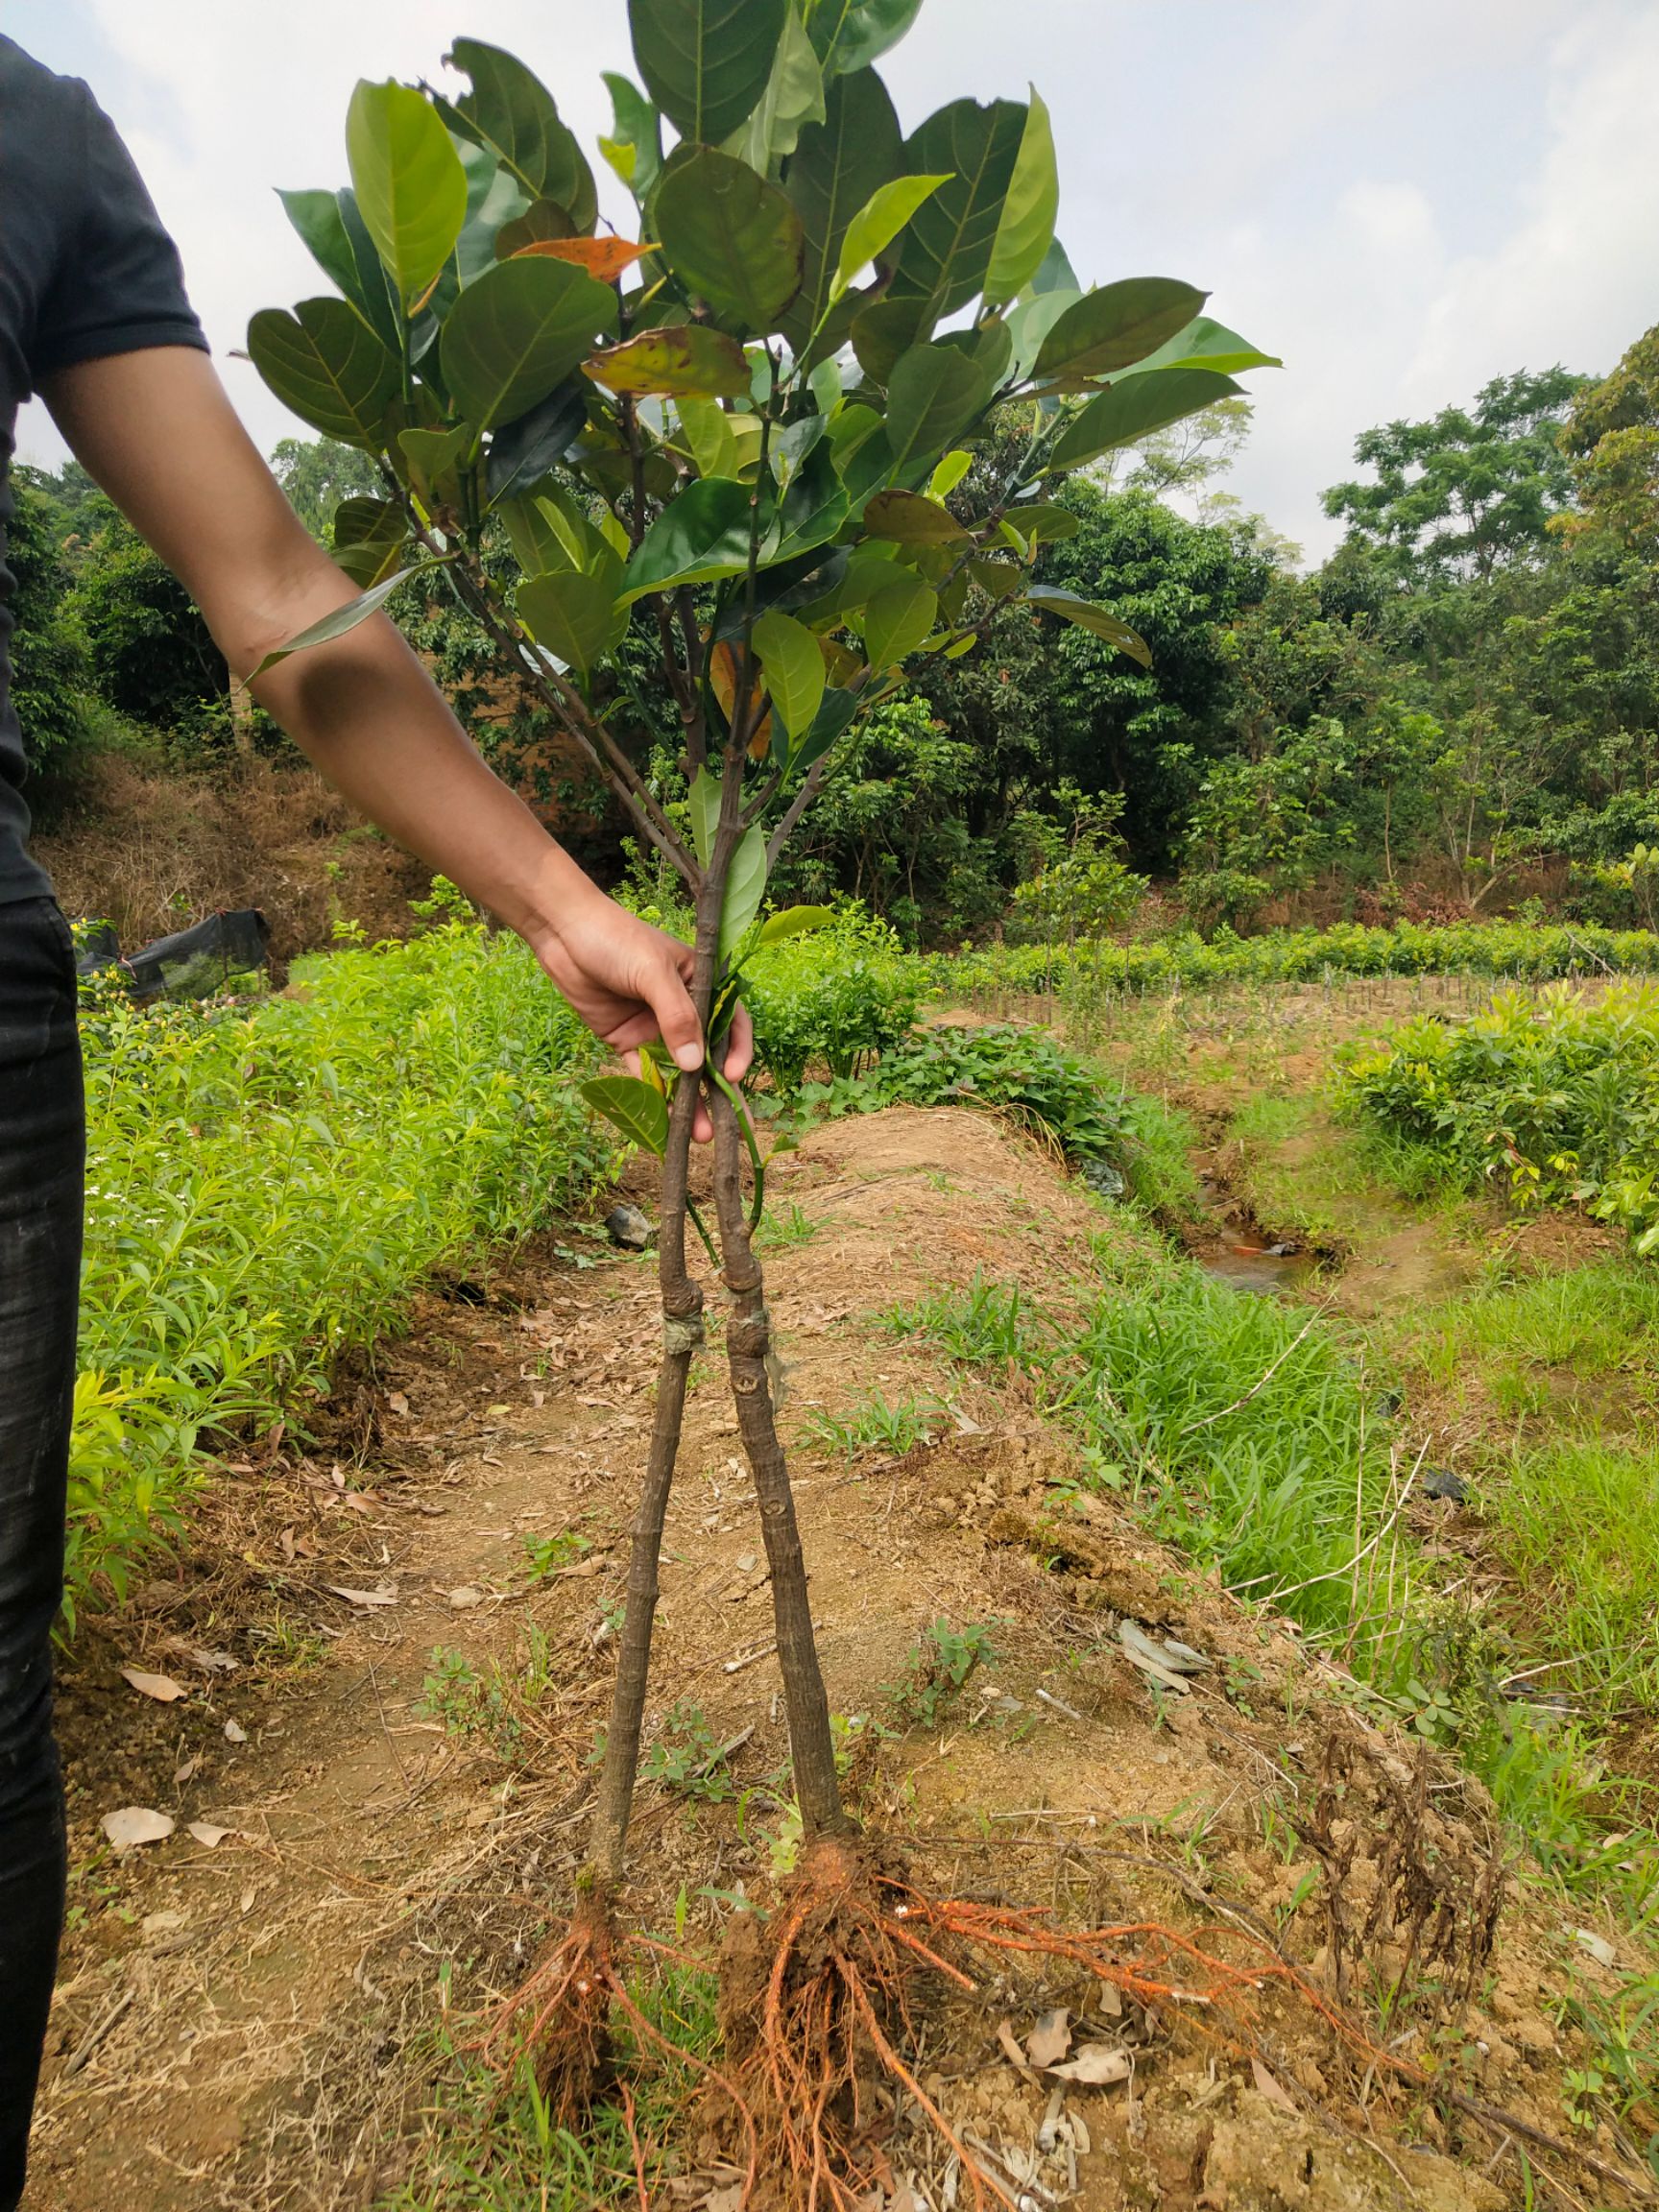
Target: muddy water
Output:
[(1240, 1254)]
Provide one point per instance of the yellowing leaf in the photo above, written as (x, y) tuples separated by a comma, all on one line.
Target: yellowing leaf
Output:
[(606, 258)]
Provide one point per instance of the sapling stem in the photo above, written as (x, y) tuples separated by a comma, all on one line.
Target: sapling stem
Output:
[(682, 1336), (748, 1346)]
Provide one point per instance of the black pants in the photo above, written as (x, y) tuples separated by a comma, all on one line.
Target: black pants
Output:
[(43, 1150)]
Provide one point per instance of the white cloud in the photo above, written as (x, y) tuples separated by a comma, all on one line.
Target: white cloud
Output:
[(1402, 201)]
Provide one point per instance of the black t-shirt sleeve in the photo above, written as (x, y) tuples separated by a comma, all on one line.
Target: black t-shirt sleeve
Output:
[(119, 286)]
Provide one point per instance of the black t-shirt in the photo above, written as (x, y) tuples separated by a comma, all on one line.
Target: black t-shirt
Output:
[(85, 271)]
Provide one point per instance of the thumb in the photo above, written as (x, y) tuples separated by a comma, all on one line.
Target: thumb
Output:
[(663, 990)]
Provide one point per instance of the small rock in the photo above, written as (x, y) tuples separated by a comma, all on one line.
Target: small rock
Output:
[(1102, 1178), (625, 1225), (1441, 1483)]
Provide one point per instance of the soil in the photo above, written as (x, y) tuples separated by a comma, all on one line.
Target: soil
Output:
[(248, 2012)]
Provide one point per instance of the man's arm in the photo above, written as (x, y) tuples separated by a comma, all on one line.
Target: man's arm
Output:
[(158, 433)]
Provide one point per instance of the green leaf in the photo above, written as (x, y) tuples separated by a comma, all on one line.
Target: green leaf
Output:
[(702, 536), (813, 508), (906, 518), (946, 252), (837, 168), (706, 63), (526, 449), (569, 613), (517, 333), (877, 223), (729, 236), (793, 667), (343, 620), (850, 35), (326, 363), (745, 882), (793, 921), (1207, 345), (897, 619), (512, 113), (884, 332), (321, 222), (633, 1107), (370, 538), (636, 149), (794, 97), (934, 393), (410, 186), (1096, 620), (1135, 408), (433, 460), (1043, 525), (705, 799), (540, 224), (1026, 228), (949, 474), (684, 360), (1122, 322), (834, 717)]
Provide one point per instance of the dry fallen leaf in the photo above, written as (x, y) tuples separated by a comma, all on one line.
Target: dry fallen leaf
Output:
[(135, 1824), (1272, 2089), (162, 1687), (1598, 1946), (160, 1923), (206, 1833), (382, 1594), (1011, 2050), (1050, 2038), (184, 1773), (397, 1401), (234, 1732), (1095, 2065)]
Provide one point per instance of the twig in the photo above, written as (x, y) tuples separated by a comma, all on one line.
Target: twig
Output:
[(1192, 1426), (90, 2041)]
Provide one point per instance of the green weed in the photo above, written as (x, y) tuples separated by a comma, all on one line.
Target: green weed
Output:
[(686, 1756), (937, 1671), (545, 1556), (876, 1426)]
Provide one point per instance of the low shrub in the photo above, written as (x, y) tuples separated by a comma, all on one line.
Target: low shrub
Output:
[(268, 1182), (1550, 1101), (1527, 951)]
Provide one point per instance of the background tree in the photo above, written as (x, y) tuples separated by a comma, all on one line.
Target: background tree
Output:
[(51, 668), (317, 473), (1469, 491)]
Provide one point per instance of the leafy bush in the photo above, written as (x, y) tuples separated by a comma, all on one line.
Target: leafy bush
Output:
[(268, 1182), (835, 999), (1552, 1101), (1021, 1070), (1528, 952)]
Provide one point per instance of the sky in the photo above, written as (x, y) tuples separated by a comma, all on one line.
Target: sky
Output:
[(1404, 200)]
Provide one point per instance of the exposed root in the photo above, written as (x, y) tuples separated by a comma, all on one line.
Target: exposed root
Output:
[(559, 2017), (819, 2004)]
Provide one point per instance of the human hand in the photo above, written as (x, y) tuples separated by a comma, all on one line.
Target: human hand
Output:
[(629, 983)]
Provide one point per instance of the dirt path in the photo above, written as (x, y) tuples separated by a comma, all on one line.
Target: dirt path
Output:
[(248, 2008)]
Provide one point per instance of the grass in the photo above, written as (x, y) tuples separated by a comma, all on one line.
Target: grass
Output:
[(876, 1426), (490, 2147)]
